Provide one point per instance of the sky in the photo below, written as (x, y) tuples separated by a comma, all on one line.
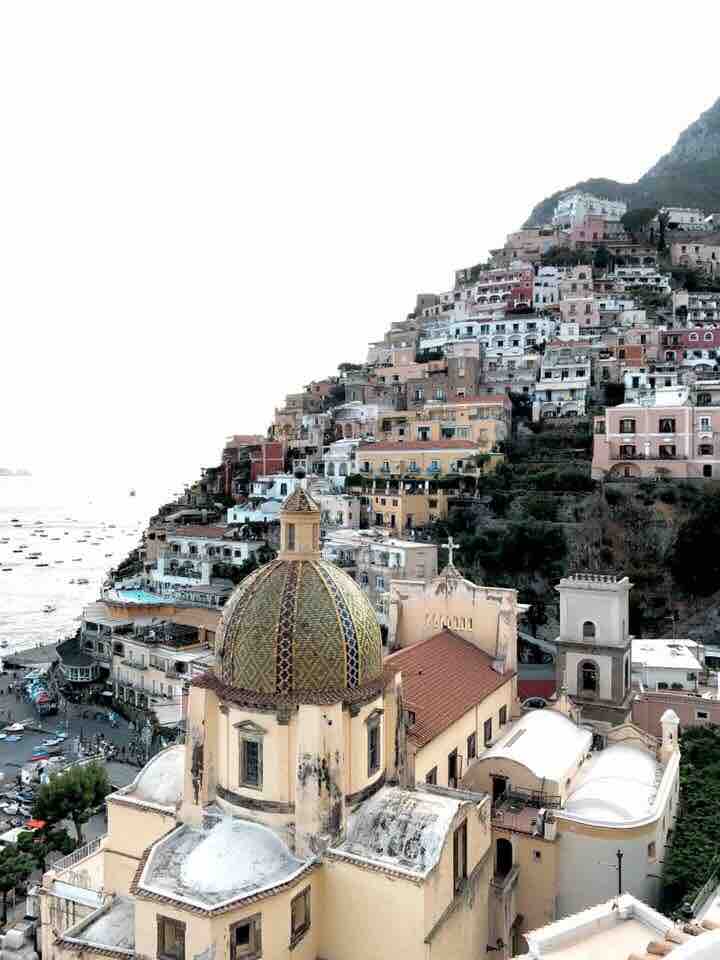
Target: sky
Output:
[(203, 206)]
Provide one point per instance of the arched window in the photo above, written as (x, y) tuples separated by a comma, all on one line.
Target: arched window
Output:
[(588, 630), (588, 677), (503, 857)]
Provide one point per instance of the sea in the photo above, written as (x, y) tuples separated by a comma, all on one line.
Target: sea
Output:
[(78, 532)]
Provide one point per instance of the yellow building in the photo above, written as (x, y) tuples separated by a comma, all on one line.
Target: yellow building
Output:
[(423, 459), (287, 825), (400, 510)]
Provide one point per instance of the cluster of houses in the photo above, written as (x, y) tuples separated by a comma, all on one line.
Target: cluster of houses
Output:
[(329, 675)]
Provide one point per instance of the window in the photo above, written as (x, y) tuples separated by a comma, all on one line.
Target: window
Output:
[(246, 939), (471, 747), (487, 731), (460, 856), (251, 762), (299, 916), (701, 715), (291, 536), (502, 716), (431, 776), (651, 851), (588, 630), (707, 470), (666, 425), (537, 855), (627, 426), (453, 769), (170, 939), (588, 677), (373, 729)]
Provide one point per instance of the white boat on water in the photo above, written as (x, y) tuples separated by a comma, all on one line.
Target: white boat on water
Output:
[(49, 608)]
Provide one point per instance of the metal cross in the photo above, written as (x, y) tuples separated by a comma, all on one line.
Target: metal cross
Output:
[(450, 546)]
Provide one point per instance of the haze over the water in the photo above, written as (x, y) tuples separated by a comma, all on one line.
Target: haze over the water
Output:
[(206, 205)]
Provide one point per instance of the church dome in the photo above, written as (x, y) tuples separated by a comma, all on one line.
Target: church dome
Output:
[(299, 628)]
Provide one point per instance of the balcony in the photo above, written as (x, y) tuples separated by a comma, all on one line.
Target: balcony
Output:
[(648, 456)]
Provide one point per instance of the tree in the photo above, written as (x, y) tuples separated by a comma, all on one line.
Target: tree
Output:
[(695, 561), (39, 844), (635, 221), (15, 868), (663, 219), (602, 258), (72, 795)]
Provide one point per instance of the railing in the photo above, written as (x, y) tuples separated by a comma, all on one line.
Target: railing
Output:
[(650, 456), (77, 855), (529, 798)]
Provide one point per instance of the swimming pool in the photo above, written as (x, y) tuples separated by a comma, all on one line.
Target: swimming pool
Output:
[(139, 596)]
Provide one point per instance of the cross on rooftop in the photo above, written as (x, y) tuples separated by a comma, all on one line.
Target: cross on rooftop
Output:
[(450, 546)]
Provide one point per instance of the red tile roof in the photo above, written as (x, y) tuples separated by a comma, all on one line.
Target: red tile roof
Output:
[(443, 677), (420, 445), (196, 530)]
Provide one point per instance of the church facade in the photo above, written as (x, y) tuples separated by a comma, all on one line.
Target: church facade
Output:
[(287, 825)]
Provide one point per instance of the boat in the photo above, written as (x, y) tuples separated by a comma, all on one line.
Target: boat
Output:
[(49, 608), (83, 580), (132, 493), (4, 643), (42, 564), (7, 569), (77, 559)]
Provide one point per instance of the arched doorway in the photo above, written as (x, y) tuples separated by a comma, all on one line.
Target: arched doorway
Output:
[(588, 678)]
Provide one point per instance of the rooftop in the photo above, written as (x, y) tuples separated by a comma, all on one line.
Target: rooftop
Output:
[(443, 678), (665, 654), (546, 742), (402, 830), (617, 784), (213, 866), (160, 782), (112, 927)]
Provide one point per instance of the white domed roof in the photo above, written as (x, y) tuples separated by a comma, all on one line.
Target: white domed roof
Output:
[(620, 784), (236, 854), (161, 780)]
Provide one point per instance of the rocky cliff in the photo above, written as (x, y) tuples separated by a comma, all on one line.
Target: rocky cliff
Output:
[(689, 175)]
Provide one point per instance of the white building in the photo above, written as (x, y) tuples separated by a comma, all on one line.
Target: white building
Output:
[(572, 208), (640, 382), (339, 461), (666, 664), (189, 554), (546, 289), (648, 277), (686, 218), (275, 486), (564, 382), (339, 510)]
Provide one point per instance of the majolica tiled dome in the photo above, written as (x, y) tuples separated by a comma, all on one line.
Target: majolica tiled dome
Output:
[(298, 628)]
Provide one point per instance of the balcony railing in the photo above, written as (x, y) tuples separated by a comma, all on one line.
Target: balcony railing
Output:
[(76, 856), (650, 456)]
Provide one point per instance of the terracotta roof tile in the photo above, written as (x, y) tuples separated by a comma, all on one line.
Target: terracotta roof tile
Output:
[(443, 678)]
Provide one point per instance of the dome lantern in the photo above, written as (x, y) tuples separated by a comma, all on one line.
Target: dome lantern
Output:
[(300, 527)]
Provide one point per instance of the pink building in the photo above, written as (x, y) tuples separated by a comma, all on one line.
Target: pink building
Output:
[(669, 434), (692, 710)]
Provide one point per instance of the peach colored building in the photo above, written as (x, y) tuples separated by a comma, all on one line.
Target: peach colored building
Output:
[(665, 435), (698, 254)]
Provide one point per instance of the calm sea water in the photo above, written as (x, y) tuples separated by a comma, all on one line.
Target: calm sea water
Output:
[(79, 533)]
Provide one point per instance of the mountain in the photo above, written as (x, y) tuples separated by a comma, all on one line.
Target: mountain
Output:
[(688, 176)]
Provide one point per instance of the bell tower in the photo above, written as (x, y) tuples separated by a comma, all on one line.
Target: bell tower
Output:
[(299, 527), (594, 648)]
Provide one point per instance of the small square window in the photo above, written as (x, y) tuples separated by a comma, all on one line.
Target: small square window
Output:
[(251, 763), (246, 939), (651, 851), (701, 715)]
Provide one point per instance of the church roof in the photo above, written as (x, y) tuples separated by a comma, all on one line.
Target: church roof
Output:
[(300, 501), (443, 677), (296, 629)]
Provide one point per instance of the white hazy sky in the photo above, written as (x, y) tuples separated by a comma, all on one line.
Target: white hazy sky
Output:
[(204, 206)]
